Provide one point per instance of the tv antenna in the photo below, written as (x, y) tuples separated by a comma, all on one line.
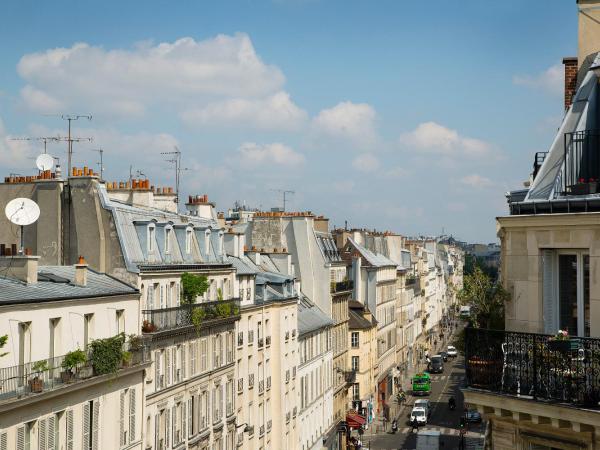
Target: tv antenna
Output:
[(101, 163), (22, 211), (45, 139), (70, 118), (283, 193), (176, 161)]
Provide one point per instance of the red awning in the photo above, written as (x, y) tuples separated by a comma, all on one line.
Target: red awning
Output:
[(355, 420)]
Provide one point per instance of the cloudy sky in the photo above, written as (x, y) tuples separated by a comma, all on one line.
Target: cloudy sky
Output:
[(415, 117)]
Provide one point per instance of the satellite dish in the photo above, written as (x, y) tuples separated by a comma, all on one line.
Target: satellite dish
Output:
[(22, 211), (44, 161)]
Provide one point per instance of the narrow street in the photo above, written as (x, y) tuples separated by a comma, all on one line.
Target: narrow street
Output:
[(442, 419)]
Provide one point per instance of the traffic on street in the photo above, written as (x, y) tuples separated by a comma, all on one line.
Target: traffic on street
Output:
[(429, 411)]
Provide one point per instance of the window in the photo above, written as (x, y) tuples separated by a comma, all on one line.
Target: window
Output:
[(54, 338), (151, 238), (566, 291), (203, 353), (90, 420), (150, 297), (168, 232), (354, 339), (127, 411), (356, 391), (188, 240), (355, 363), (24, 436), (207, 243), (48, 432), (88, 329), (120, 321)]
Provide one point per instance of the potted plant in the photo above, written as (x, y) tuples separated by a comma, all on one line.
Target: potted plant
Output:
[(126, 358), (71, 361), (561, 342), (148, 327), (136, 347), (36, 384), (106, 355)]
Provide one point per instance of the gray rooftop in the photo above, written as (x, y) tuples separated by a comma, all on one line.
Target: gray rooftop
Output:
[(374, 259), (310, 317), (57, 283)]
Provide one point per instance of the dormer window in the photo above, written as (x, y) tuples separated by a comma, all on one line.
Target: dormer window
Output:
[(188, 241), (207, 242), (168, 232), (151, 238), (221, 242)]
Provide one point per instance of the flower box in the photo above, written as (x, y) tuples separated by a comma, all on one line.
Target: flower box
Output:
[(36, 385), (559, 345)]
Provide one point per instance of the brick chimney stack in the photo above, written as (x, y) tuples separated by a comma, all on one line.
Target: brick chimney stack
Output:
[(570, 79)]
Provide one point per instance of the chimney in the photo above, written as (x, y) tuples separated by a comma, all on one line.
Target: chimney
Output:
[(570, 64), (21, 267), (81, 272)]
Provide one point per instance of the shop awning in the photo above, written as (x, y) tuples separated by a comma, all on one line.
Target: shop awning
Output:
[(355, 420)]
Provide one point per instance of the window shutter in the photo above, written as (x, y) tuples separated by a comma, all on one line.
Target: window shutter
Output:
[(193, 349), (21, 438), (51, 436), (167, 427), (162, 296), (86, 426), (95, 425), (42, 434), (190, 416), (174, 425), (550, 303), (156, 432), (183, 421), (70, 429), (174, 363), (183, 357), (168, 367), (157, 370), (3, 441), (122, 419), (132, 407)]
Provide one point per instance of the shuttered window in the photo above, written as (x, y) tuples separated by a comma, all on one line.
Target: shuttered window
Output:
[(69, 432), (96, 426), (21, 438), (132, 411), (157, 369), (122, 432), (42, 437), (168, 368), (167, 427), (3, 441), (86, 426), (51, 443), (193, 351), (183, 365)]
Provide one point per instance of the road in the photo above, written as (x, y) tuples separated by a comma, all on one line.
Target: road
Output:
[(442, 419)]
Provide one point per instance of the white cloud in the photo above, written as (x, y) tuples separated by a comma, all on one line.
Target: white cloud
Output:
[(342, 187), (550, 80), (15, 154), (366, 162), (253, 154), (216, 80), (431, 137), (476, 181), (276, 111), (354, 122)]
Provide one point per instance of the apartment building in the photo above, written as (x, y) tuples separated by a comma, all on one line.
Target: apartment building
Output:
[(538, 389), (362, 338), (133, 231), (65, 381), (316, 426), (374, 278), (267, 349)]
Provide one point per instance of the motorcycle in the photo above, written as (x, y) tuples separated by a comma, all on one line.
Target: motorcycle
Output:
[(394, 426), (451, 404)]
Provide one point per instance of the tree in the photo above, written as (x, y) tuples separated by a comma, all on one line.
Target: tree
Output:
[(193, 286), (486, 298), (3, 341)]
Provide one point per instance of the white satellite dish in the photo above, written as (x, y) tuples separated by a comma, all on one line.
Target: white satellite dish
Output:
[(44, 161), (22, 211)]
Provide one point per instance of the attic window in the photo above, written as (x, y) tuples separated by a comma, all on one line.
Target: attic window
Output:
[(207, 242), (188, 241), (168, 232), (151, 237)]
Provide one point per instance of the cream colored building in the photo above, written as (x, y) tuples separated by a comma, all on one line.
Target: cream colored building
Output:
[(47, 312), (535, 391)]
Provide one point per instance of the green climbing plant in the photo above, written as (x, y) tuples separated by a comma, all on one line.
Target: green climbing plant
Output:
[(106, 355), (3, 341), (192, 286)]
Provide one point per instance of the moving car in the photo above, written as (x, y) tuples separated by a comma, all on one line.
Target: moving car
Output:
[(425, 404), (444, 356), (436, 364), (420, 414), (452, 351)]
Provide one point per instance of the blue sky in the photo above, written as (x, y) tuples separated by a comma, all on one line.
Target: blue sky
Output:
[(395, 115)]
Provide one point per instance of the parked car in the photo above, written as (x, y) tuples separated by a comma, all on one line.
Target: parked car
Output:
[(452, 351), (444, 356), (436, 364), (420, 414), (425, 404), (473, 416)]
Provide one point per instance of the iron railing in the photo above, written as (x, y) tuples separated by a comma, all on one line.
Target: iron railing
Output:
[(581, 162), (186, 315), (261, 386), (268, 340), (24, 380), (341, 286), (534, 366), (538, 160)]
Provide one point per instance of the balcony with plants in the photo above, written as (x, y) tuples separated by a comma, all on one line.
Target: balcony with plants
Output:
[(190, 313), (557, 368), (103, 357), (341, 286)]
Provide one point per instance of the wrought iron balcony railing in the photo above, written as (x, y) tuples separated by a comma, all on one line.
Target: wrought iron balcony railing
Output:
[(261, 386), (350, 376), (534, 366), (240, 384), (581, 163), (341, 286), (261, 342), (186, 315), (240, 340)]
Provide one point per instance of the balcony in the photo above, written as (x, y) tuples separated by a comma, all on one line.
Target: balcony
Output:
[(261, 430), (287, 335), (261, 342), (287, 417), (294, 372), (261, 386), (350, 376), (581, 162), (202, 314), (287, 376), (240, 384), (22, 381), (341, 286), (251, 381), (240, 340), (534, 366), (411, 280)]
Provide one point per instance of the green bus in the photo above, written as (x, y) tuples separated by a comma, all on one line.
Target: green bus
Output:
[(421, 384)]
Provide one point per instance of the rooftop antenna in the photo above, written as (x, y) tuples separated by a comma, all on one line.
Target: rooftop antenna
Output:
[(284, 193), (69, 118), (176, 161), (45, 139), (101, 163)]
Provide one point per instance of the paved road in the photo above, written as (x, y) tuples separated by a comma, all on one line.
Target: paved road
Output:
[(442, 419)]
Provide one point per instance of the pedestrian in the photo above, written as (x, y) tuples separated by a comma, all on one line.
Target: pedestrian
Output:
[(415, 425)]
